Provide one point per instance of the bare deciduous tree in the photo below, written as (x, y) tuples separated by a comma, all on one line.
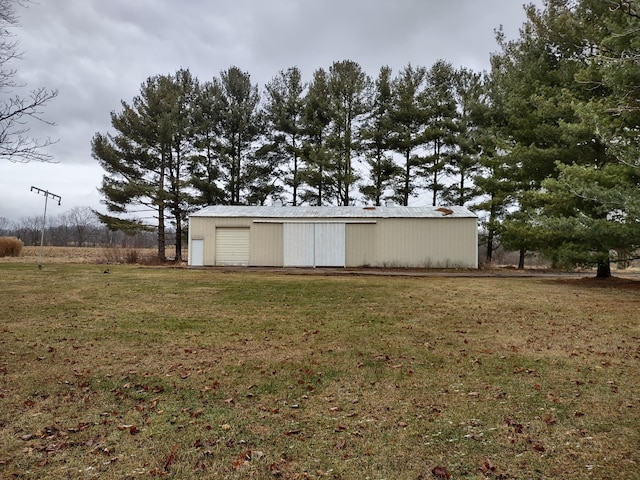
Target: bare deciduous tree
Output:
[(16, 111)]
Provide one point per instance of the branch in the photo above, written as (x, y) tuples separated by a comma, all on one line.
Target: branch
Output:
[(626, 7), (14, 115)]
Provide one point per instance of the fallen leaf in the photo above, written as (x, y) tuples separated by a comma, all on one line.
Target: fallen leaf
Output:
[(274, 470), (537, 446), (487, 467), (170, 458), (242, 459), (440, 472), (517, 427), (548, 419)]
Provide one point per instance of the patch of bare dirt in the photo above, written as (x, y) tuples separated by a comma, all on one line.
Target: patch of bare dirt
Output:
[(612, 282)]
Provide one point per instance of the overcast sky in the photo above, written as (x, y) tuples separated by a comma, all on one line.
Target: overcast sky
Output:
[(98, 52)]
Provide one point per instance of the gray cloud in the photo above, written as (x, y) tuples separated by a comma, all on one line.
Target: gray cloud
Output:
[(97, 53)]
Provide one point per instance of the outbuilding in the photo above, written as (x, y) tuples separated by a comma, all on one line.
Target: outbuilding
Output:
[(353, 236)]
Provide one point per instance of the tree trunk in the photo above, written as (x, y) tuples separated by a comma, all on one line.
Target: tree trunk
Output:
[(489, 255), (178, 258), (604, 269), (161, 235), (407, 178), (521, 259), (490, 233)]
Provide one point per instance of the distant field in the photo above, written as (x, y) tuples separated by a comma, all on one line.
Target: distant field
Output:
[(180, 373), (79, 255)]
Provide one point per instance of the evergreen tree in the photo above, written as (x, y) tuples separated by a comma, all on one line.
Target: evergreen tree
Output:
[(592, 207), (497, 175), (206, 171), (441, 132), (408, 123), (376, 137), (317, 173), (541, 126), (348, 88), (241, 124), (135, 160), (462, 160), (284, 111), (181, 102), (588, 213)]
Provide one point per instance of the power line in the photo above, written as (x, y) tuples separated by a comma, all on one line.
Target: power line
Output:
[(46, 194)]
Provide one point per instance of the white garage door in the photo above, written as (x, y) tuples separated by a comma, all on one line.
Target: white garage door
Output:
[(314, 245), (297, 242), (232, 246), (330, 249)]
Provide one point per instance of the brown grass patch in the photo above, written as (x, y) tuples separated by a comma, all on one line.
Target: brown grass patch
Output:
[(83, 255), (10, 247), (615, 282)]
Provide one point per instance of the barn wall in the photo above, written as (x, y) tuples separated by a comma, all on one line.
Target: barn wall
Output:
[(205, 228), (361, 244), (427, 242), (266, 244)]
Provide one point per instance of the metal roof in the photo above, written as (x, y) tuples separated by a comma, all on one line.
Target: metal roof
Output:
[(235, 211)]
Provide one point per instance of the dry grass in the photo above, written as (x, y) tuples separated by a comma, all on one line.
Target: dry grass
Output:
[(76, 255), (183, 373), (10, 247)]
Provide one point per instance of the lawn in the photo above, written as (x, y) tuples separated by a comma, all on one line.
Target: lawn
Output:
[(184, 373)]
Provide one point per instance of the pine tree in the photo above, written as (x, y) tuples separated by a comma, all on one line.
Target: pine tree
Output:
[(441, 132), (135, 160), (376, 140), (206, 171), (462, 160), (408, 124), (317, 173), (241, 124), (284, 110), (348, 88)]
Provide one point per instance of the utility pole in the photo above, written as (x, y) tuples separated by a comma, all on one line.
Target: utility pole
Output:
[(46, 194)]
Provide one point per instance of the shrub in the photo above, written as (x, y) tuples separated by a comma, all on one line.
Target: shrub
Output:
[(115, 255), (10, 247)]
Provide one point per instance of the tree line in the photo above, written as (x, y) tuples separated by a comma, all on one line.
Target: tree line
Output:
[(77, 227), (338, 139), (544, 145)]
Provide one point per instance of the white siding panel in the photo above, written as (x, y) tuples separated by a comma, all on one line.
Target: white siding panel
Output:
[(330, 247), (297, 244), (232, 246)]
